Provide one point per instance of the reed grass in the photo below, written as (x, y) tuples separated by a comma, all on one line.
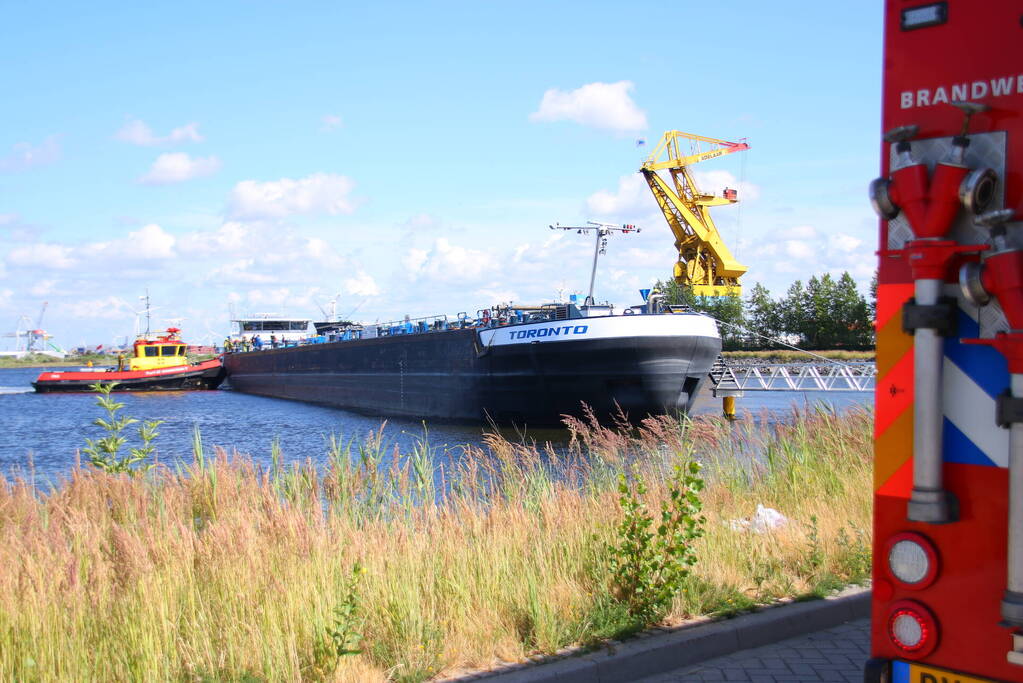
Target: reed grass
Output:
[(381, 566)]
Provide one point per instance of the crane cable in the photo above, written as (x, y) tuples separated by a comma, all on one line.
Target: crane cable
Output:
[(777, 341), (738, 211)]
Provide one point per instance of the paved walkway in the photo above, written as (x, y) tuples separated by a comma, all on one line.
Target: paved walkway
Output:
[(835, 654)]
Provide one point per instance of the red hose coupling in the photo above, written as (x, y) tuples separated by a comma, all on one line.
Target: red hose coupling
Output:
[(1002, 277), (909, 192), (933, 259), (943, 201)]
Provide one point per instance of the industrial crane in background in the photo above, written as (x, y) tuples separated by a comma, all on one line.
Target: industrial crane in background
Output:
[(35, 337), (38, 335), (705, 265)]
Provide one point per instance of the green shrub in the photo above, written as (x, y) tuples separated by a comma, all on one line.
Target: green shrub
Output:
[(105, 453), (647, 565)]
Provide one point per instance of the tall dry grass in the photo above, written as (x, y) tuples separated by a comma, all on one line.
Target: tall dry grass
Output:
[(222, 570)]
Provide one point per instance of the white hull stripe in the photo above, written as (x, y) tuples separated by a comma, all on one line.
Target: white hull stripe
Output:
[(611, 327)]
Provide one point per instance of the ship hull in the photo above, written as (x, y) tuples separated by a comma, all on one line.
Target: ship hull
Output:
[(206, 375), (524, 374)]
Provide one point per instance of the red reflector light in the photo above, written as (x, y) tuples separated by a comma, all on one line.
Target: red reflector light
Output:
[(912, 629)]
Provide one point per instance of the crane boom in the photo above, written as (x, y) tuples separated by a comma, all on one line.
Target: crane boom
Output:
[(705, 264), (39, 321)]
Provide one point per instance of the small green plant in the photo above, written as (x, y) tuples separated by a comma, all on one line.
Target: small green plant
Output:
[(822, 580), (648, 565), (345, 631), (815, 554), (105, 453), (855, 553)]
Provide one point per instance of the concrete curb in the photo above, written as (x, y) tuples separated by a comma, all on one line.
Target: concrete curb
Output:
[(658, 652)]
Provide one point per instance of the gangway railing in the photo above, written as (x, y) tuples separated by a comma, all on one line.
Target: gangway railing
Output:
[(731, 379)]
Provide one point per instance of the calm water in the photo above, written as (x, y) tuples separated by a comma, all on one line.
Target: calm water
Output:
[(49, 428)]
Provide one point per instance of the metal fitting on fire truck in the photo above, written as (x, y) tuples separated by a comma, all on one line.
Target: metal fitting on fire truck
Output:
[(976, 279), (1000, 276), (880, 188)]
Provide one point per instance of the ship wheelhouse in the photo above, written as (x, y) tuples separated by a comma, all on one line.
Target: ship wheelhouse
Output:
[(159, 351), (284, 329)]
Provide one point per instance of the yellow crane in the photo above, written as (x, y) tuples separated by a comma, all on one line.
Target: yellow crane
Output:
[(705, 265)]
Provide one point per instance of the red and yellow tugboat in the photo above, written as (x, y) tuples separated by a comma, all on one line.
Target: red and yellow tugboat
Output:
[(158, 364)]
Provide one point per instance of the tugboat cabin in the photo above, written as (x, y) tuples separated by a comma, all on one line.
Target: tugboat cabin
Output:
[(160, 351)]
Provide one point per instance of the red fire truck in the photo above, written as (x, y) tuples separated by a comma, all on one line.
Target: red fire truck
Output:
[(948, 475)]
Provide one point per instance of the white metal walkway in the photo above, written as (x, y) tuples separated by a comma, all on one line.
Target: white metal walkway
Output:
[(732, 379)]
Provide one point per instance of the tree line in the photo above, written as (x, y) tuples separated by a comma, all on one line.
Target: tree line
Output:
[(825, 313)]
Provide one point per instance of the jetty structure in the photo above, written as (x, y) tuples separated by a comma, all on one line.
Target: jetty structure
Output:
[(536, 363)]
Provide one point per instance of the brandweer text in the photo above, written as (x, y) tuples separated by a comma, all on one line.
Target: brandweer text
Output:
[(996, 87), (549, 331)]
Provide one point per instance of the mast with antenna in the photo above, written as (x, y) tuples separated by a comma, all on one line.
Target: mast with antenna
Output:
[(601, 232), (147, 309)]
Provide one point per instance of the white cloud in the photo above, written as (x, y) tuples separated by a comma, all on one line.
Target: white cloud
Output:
[(798, 232), (449, 263), (43, 288), (414, 259), (321, 251), (323, 193), (642, 258), (715, 182), (105, 308), (24, 155), (798, 249), (150, 242), (231, 237), (843, 242), (242, 271), (137, 132), (494, 295), (6, 295), (279, 298), (177, 167), (632, 198), (420, 224), (42, 255), (600, 105), (362, 284), (330, 122), (9, 218), (803, 250)]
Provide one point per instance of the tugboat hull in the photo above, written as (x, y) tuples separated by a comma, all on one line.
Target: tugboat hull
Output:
[(532, 373), (205, 375)]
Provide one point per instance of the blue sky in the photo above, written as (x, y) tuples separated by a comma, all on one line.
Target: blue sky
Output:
[(409, 156)]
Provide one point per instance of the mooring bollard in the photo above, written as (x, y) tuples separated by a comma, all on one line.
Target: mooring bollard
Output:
[(728, 406)]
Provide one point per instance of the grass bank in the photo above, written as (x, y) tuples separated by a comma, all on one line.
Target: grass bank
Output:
[(224, 571), (789, 356), (40, 360)]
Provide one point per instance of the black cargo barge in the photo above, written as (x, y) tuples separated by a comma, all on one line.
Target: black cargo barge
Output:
[(526, 369)]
